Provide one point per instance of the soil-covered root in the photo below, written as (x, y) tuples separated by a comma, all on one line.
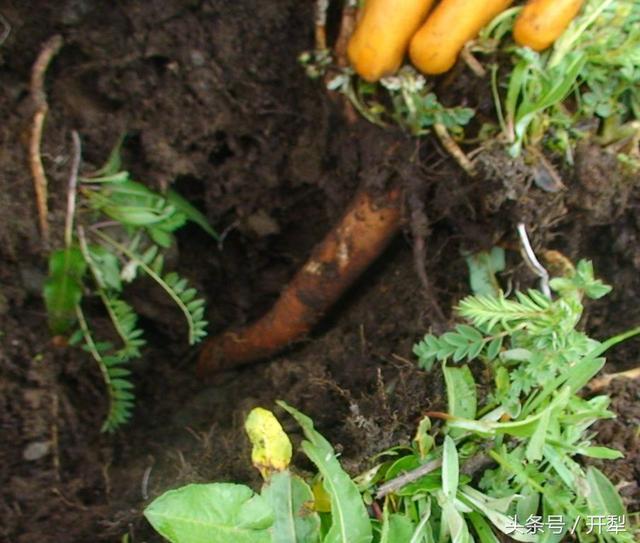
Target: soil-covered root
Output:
[(336, 262)]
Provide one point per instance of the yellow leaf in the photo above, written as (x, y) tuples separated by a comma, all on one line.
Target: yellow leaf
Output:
[(322, 500), (271, 446)]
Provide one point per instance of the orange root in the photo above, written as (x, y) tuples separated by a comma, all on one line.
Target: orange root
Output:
[(335, 263)]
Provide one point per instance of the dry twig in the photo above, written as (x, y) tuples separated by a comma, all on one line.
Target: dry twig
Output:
[(602, 382), (454, 149), (72, 188), (409, 477), (347, 25), (471, 61)]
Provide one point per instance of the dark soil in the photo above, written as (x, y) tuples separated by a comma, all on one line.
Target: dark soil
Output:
[(215, 103)]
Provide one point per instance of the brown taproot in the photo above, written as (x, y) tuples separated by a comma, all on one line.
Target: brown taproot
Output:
[(360, 236)]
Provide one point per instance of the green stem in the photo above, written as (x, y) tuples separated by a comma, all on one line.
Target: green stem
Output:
[(612, 341), (496, 100), (100, 290), (93, 349)]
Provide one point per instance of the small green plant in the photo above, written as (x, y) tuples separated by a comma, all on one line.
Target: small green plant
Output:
[(587, 84), (591, 72), (505, 462), (413, 104), (117, 230)]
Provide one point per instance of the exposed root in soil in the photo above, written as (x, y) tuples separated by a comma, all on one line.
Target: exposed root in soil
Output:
[(454, 149), (359, 238), (39, 97)]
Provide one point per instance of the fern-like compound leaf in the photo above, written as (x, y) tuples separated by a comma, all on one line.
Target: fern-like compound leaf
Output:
[(125, 321)]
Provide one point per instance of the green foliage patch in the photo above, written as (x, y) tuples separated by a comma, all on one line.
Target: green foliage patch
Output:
[(123, 229), (506, 463)]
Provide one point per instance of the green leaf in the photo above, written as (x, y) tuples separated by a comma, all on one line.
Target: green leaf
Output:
[(291, 499), (494, 348), (520, 428), (192, 214), (483, 267), (161, 237), (603, 498), (528, 504), (482, 528), (487, 506), (396, 528), (63, 289), (537, 441), (106, 267), (114, 162), (423, 532), (450, 469), (576, 377), (220, 512), (455, 523), (461, 393), (350, 522), (604, 453)]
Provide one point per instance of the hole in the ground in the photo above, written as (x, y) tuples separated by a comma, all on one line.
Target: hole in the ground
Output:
[(221, 150)]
